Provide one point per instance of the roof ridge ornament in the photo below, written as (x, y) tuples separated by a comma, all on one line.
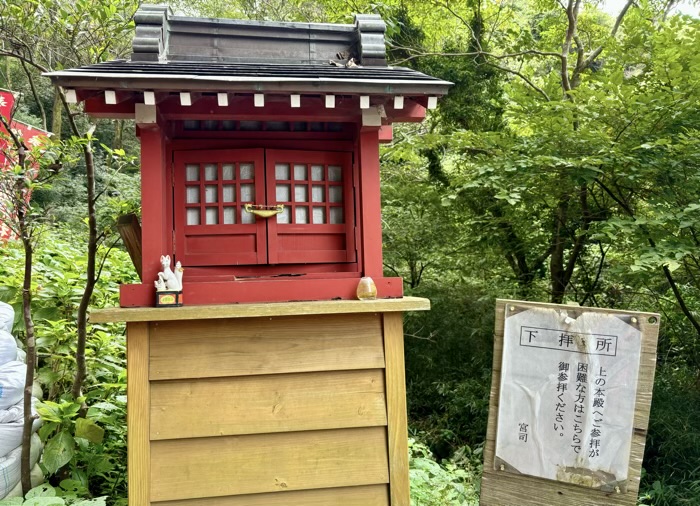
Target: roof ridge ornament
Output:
[(371, 45), (151, 37)]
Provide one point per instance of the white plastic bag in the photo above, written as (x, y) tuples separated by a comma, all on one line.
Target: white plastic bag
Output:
[(10, 466), (12, 425), (11, 383), (37, 479), (8, 347), (7, 317)]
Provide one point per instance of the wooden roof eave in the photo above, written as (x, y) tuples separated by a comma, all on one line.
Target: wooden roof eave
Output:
[(246, 84)]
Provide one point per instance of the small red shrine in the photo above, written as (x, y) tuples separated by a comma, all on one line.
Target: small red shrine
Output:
[(260, 174), (259, 151)]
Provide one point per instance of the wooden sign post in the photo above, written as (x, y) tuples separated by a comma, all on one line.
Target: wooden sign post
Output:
[(569, 407)]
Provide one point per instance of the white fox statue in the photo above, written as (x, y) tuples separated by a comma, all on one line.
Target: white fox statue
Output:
[(168, 277)]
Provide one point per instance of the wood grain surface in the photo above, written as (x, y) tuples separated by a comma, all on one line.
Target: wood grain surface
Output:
[(236, 465), (205, 312), (396, 406), (275, 345), (272, 403), (368, 495), (138, 394)]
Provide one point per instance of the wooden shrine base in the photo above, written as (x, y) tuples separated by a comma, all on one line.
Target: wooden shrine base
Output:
[(295, 404)]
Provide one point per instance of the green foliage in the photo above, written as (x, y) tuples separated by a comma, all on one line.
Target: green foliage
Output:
[(605, 177), (92, 448), (46, 495), (453, 482), (69, 33), (672, 454), (80, 447), (448, 363)]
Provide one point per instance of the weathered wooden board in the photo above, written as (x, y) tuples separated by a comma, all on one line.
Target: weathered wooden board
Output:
[(236, 465), (368, 495), (505, 489), (272, 403), (130, 231), (251, 346), (154, 314), (138, 392), (396, 403)]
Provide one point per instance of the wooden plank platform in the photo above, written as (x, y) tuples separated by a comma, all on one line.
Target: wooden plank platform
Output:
[(206, 467), (253, 346), (367, 495), (153, 314)]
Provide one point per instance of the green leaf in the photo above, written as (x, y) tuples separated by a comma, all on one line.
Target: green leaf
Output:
[(44, 490), (89, 430), (15, 501), (45, 501), (71, 486), (98, 501), (59, 450), (47, 429), (673, 265), (49, 411)]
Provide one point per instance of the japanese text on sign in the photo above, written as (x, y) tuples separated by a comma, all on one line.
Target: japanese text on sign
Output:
[(567, 341)]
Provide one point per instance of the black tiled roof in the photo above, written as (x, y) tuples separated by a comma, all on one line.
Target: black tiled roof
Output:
[(294, 71), (250, 77), (172, 53)]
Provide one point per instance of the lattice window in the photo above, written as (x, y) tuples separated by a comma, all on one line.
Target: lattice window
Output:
[(216, 192), (311, 193), (312, 190)]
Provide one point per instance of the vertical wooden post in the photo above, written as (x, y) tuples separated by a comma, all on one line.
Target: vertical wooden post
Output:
[(154, 195), (396, 409), (371, 204), (138, 417)]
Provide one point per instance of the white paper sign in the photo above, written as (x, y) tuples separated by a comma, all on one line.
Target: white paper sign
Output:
[(568, 388)]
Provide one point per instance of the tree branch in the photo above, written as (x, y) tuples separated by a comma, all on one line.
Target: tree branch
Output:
[(572, 15), (667, 272), (28, 61), (523, 77), (596, 52), (464, 21), (35, 94), (589, 292), (419, 54)]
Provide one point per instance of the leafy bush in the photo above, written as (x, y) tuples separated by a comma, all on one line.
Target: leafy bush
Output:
[(450, 483), (46, 495), (448, 366), (88, 453), (672, 456)]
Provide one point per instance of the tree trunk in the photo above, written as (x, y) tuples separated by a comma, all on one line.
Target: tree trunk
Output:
[(556, 263), (80, 365), (81, 368), (30, 338), (57, 114), (19, 197)]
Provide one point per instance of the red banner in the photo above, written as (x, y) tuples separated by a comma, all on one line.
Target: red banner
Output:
[(7, 101), (30, 136)]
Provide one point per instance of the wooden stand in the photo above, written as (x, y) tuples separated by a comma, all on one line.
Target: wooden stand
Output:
[(299, 403)]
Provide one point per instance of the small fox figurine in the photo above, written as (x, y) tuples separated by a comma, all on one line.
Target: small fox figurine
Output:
[(172, 282)]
